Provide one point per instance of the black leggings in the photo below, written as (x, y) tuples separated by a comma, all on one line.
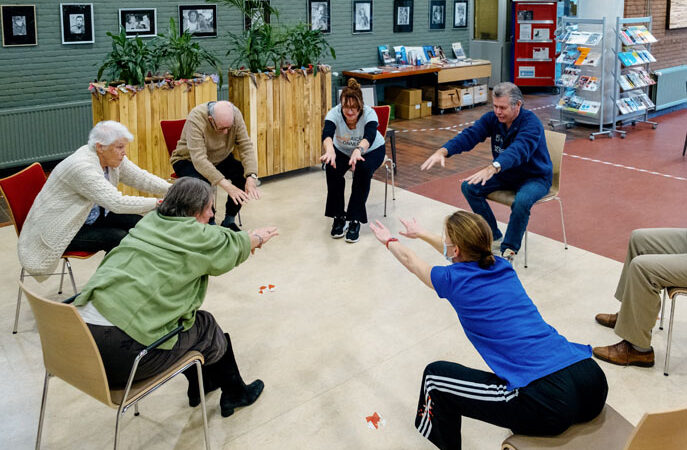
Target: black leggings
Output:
[(104, 234), (545, 407)]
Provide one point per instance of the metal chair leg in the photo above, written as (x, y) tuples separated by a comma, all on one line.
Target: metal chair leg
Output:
[(42, 413), (663, 308), (64, 264), (393, 182), (392, 141), (136, 412), (239, 216), (526, 234), (71, 275), (120, 414), (386, 185), (201, 389), (565, 240), (684, 149), (670, 335), (16, 314)]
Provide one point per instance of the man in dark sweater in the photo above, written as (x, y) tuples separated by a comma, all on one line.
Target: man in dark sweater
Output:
[(521, 163)]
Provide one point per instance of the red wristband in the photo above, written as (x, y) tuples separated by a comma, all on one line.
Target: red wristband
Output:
[(393, 239)]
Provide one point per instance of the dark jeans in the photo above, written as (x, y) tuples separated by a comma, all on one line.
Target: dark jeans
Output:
[(545, 407), (119, 351), (362, 176), (104, 234), (232, 170), (527, 194)]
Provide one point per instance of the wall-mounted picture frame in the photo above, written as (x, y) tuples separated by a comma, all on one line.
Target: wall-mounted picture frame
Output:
[(403, 16), (138, 21), (460, 14), (18, 25), (437, 14), (77, 23), (362, 16), (319, 15), (199, 20), (677, 14), (255, 19)]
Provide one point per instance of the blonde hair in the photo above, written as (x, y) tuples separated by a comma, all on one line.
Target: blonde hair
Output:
[(352, 94), (471, 234)]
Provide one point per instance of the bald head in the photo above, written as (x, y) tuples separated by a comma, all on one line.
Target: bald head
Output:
[(222, 114)]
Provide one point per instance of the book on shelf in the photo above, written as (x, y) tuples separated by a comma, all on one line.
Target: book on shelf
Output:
[(594, 39), (385, 57), (584, 51), (625, 83), (640, 34), (588, 83), (628, 59), (569, 77), (589, 107), (591, 59), (568, 56)]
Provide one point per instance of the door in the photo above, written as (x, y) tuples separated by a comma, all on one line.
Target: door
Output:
[(490, 36)]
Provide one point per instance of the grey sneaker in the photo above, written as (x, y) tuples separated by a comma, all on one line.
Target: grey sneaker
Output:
[(509, 255)]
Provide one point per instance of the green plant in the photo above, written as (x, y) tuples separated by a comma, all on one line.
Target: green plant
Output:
[(305, 46), (258, 48), (130, 59), (182, 55)]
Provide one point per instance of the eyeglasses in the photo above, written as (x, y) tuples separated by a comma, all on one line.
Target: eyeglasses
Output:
[(214, 125)]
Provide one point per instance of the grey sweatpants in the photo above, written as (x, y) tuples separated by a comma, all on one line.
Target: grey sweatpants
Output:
[(656, 259)]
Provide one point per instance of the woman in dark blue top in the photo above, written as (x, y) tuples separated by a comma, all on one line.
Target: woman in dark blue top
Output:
[(541, 384)]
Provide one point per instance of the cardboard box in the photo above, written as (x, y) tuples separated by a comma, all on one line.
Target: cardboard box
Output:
[(404, 95), (480, 93), (466, 96), (425, 108), (405, 111), (447, 98)]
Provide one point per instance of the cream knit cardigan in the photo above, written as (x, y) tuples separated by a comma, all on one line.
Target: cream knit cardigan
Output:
[(62, 206)]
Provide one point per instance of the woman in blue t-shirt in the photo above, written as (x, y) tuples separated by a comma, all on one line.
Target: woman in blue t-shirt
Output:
[(351, 141), (541, 384)]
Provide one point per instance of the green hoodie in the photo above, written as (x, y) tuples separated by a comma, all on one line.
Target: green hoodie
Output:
[(158, 275)]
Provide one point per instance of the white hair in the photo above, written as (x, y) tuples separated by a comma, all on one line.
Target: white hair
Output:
[(107, 132)]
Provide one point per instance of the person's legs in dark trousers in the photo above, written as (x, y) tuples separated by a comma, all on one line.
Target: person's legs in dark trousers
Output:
[(526, 196), (336, 184), (233, 171), (184, 168), (362, 176), (546, 406), (476, 195), (104, 234)]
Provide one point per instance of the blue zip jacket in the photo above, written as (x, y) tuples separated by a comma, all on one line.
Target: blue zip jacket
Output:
[(521, 150)]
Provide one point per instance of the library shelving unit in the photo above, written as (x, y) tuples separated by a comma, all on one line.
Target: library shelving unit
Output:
[(631, 102), (534, 46), (582, 82)]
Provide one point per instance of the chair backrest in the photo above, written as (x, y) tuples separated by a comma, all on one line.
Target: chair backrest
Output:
[(664, 430), (555, 142), (171, 131), (69, 351), (20, 190), (383, 113)]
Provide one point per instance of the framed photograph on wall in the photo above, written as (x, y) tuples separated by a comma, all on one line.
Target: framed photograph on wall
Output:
[(460, 14), (18, 25), (677, 14), (256, 17), (319, 15), (77, 23), (138, 21), (199, 20), (362, 16), (437, 14), (403, 16)]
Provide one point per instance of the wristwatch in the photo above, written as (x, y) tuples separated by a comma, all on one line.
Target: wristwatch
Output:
[(496, 166), (253, 176)]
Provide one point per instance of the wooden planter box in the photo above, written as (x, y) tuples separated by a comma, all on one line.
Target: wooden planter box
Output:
[(141, 112), (284, 116)]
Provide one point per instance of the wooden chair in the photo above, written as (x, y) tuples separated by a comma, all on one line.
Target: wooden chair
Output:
[(610, 431), (70, 353), (555, 143), (383, 113), (20, 190), (684, 149), (672, 293)]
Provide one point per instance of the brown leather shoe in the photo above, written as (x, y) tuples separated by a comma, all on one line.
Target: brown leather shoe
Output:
[(624, 354), (607, 320)]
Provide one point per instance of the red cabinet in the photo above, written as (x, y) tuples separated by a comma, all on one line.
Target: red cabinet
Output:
[(534, 43)]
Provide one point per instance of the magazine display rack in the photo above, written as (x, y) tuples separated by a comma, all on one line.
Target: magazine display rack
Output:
[(631, 102), (582, 79)]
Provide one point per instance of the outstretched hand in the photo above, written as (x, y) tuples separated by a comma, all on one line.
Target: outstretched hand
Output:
[(482, 176), (438, 157), (381, 232), (355, 157), (413, 229), (329, 157)]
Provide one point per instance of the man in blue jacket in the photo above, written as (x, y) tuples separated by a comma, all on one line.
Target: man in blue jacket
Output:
[(521, 163)]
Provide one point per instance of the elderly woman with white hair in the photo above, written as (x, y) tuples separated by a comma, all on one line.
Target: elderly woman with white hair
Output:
[(80, 208)]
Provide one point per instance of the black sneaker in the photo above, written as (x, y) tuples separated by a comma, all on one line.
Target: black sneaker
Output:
[(338, 228), (353, 233)]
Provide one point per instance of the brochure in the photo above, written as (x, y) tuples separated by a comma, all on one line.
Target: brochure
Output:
[(540, 34), (540, 53), (385, 57), (458, 51), (525, 32)]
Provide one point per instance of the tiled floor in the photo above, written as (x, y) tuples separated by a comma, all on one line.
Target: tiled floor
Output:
[(347, 333)]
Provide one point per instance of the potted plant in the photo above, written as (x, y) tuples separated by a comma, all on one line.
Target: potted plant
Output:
[(140, 102), (283, 104)]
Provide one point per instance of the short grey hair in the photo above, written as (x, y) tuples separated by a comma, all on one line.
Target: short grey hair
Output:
[(187, 197), (107, 132), (507, 89)]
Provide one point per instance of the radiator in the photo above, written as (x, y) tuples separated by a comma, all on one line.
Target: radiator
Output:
[(43, 133), (671, 87)]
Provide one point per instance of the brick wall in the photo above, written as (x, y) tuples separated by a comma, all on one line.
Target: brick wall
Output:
[(671, 48)]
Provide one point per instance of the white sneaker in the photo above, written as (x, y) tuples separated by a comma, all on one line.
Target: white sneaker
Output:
[(509, 255)]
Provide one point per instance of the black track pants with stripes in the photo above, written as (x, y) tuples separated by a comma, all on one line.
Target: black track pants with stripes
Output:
[(545, 407)]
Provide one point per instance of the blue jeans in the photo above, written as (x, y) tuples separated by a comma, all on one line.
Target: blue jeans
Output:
[(527, 194)]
